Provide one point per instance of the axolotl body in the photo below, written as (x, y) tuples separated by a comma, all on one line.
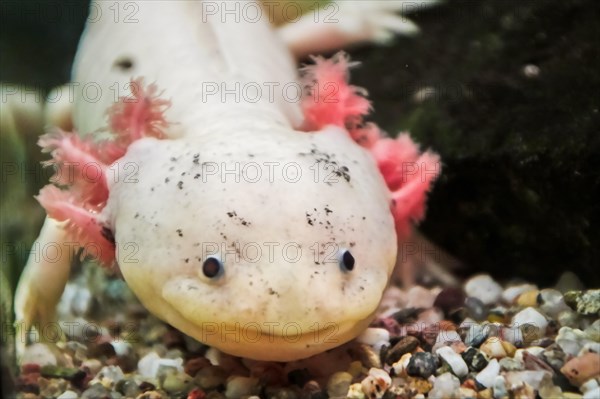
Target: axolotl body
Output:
[(262, 226)]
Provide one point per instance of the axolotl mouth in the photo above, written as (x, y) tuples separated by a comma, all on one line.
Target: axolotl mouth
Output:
[(256, 336)]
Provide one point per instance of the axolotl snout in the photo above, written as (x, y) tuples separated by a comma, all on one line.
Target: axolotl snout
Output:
[(264, 228)]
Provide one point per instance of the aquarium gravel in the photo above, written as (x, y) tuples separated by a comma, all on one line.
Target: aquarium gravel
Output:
[(482, 340)]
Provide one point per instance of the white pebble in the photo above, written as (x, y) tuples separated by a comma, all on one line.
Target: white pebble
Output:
[(531, 323), (500, 388), (533, 378), (39, 354), (374, 337), (513, 334), (400, 366), (589, 385), (592, 394), (571, 340), (552, 302), (454, 360), (510, 294), (68, 395), (532, 350), (487, 376), (150, 365), (355, 392), (484, 288), (376, 383), (493, 348), (445, 386), (419, 297)]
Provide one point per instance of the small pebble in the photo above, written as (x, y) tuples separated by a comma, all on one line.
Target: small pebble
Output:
[(475, 359), (533, 378), (376, 383), (399, 368), (554, 356), (531, 323), (338, 384), (420, 297), (422, 364), (499, 388), (128, 387), (176, 382), (374, 337), (476, 309), (510, 294), (487, 376), (571, 340), (68, 395), (493, 347), (510, 364), (568, 318), (450, 299), (476, 334), (96, 391), (592, 394), (584, 302), (445, 386), (454, 360), (40, 354), (484, 288), (238, 386), (211, 377), (593, 331), (356, 392), (580, 369), (528, 299), (405, 345), (551, 302)]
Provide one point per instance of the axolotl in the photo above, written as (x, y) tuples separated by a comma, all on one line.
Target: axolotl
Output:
[(250, 208)]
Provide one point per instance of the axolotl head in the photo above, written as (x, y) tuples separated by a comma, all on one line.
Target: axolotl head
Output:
[(270, 243)]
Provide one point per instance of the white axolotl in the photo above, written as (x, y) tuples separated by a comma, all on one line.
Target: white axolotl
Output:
[(258, 222)]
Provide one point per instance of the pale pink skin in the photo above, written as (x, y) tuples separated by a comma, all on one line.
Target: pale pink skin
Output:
[(408, 173), (149, 134)]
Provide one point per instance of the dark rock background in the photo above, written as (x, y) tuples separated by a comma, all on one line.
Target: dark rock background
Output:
[(519, 196)]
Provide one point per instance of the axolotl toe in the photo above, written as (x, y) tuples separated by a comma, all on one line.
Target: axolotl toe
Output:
[(262, 226)]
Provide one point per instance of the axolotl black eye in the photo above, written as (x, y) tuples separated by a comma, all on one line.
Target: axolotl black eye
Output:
[(212, 267), (346, 261)]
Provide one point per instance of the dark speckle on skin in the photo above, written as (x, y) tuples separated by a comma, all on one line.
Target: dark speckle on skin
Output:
[(242, 221), (167, 180), (123, 63), (197, 176), (179, 232), (180, 185)]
